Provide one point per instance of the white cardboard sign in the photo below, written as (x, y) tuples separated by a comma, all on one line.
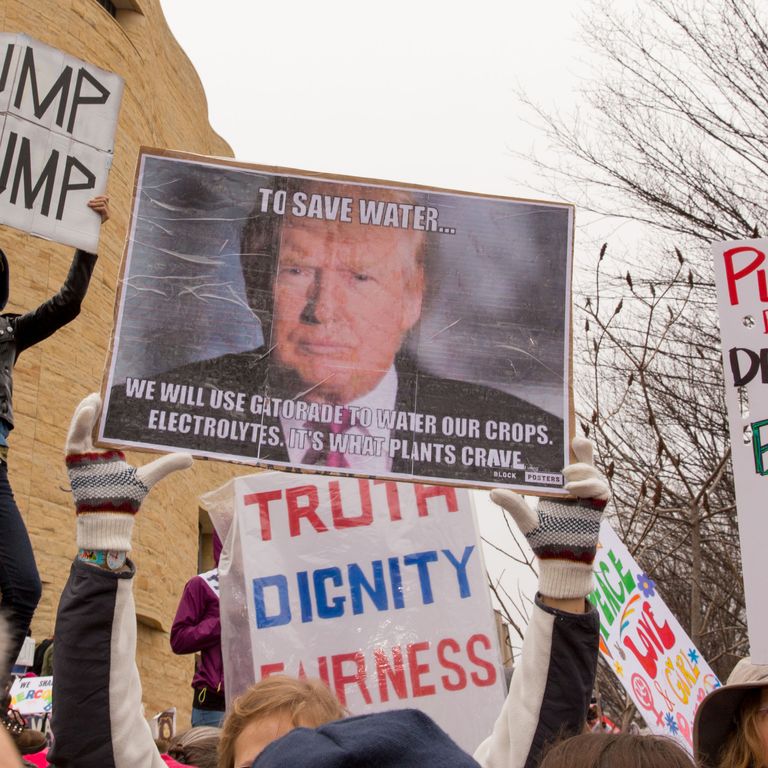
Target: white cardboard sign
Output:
[(58, 117), (32, 695), (374, 586), (644, 644), (742, 288)]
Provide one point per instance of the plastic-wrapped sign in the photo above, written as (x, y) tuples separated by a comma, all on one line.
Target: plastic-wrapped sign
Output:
[(742, 289), (58, 117), (294, 320), (378, 588), (658, 665)]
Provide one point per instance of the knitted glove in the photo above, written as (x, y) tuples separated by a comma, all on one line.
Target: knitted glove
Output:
[(563, 533), (107, 490)]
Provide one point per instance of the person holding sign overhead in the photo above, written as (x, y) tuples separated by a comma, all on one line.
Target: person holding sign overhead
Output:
[(19, 579), (550, 690), (96, 619)]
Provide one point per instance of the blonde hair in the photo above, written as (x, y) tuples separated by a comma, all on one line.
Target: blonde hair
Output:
[(308, 703), (744, 746)]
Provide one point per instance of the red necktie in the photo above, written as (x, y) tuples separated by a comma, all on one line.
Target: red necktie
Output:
[(326, 456)]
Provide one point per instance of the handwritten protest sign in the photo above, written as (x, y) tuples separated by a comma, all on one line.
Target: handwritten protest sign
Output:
[(32, 695), (289, 320), (376, 587), (57, 124), (740, 275), (163, 724), (653, 657)]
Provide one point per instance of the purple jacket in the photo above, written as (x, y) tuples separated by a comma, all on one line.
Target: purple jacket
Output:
[(197, 628)]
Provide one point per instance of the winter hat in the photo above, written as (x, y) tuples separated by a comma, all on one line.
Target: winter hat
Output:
[(5, 280), (404, 738), (718, 714)]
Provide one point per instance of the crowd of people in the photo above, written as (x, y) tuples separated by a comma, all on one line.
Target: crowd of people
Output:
[(282, 720)]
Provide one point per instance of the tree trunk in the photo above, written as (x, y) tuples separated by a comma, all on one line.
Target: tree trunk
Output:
[(695, 518)]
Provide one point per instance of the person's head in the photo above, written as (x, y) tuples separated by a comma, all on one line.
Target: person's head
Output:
[(270, 709), (616, 750), (196, 746), (746, 745), (397, 738), (731, 725), (343, 295)]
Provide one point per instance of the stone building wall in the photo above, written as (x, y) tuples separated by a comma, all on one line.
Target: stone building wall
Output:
[(163, 106)]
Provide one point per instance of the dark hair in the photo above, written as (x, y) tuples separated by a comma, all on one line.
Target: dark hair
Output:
[(616, 750), (259, 250)]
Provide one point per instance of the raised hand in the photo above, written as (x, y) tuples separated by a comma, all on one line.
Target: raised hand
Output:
[(100, 204), (563, 533), (107, 490)]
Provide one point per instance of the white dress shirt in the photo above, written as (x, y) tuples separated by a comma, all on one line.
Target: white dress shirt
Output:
[(382, 397)]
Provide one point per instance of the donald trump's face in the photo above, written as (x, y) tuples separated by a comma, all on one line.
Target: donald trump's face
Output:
[(345, 296)]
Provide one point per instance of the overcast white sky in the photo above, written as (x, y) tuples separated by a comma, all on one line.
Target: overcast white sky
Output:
[(419, 91), (412, 91)]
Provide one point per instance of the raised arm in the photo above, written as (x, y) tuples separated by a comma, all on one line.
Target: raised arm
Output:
[(552, 683), (98, 718), (64, 306)]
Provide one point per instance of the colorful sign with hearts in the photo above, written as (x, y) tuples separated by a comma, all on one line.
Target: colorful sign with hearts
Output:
[(658, 665)]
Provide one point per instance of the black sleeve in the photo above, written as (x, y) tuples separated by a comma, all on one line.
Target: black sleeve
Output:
[(63, 307), (550, 690), (570, 678), (97, 717)]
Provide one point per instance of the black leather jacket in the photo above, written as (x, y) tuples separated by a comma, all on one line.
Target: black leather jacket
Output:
[(18, 332)]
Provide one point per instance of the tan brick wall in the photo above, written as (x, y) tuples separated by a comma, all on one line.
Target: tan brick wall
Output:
[(163, 106)]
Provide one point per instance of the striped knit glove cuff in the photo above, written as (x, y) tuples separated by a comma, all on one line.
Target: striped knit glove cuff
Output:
[(107, 494), (565, 541), (563, 533)]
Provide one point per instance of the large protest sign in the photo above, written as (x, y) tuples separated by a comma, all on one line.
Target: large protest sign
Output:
[(323, 323), (742, 289), (58, 117), (376, 587), (644, 644)]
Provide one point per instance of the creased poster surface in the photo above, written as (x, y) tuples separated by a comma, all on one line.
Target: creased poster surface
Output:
[(58, 117), (323, 323), (644, 644), (742, 297), (378, 588)]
